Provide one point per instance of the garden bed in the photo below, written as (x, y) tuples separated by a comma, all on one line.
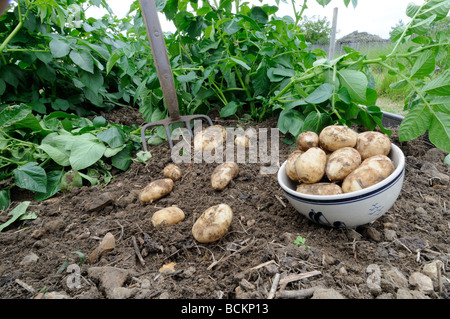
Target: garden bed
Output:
[(260, 243)]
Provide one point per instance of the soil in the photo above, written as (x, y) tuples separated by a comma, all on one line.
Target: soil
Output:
[(244, 263)]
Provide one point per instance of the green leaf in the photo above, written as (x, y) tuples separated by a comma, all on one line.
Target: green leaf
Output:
[(415, 123), (122, 160), (321, 94), (229, 109), (15, 214), (113, 136), (60, 156), (241, 62), (424, 64), (316, 121), (439, 85), (59, 48), (13, 113), (423, 25), (191, 76), (356, 84), (31, 176), (53, 185), (83, 59), (447, 159), (86, 151), (439, 131), (116, 55), (4, 199)]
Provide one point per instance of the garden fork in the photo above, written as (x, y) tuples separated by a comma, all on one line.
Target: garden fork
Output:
[(165, 76)]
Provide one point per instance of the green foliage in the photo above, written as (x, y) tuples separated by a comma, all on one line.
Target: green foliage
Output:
[(58, 151), (54, 58), (316, 29)]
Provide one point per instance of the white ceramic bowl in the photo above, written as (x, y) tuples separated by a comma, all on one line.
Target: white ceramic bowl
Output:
[(348, 210)]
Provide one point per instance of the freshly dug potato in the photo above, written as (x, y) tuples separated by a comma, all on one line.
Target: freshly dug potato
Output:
[(210, 138), (291, 172), (320, 189), (155, 190), (371, 171), (242, 141), (342, 162), (310, 165), (306, 140), (372, 143), (223, 174), (213, 224), (334, 137), (167, 216), (172, 171)]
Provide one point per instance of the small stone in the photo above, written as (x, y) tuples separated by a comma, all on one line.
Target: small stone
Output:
[(396, 278), (390, 234), (431, 269), (326, 293), (146, 284), (373, 234), (100, 202), (109, 277), (119, 293), (55, 295), (374, 279), (404, 293), (29, 259), (433, 172), (107, 244), (246, 285), (421, 281)]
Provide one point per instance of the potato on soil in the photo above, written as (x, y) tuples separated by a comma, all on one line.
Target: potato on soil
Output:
[(310, 166), (155, 190), (213, 224), (334, 137), (223, 174), (242, 141), (172, 171), (306, 140), (372, 143), (371, 171), (210, 138), (342, 162), (320, 189), (167, 216), (290, 165)]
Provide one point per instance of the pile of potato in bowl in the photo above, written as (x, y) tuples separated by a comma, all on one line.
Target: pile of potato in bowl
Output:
[(340, 178)]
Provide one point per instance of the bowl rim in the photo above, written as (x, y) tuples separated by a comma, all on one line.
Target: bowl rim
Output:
[(368, 192)]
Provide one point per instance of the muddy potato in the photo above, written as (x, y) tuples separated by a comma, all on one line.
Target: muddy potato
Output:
[(155, 190), (213, 224), (372, 143), (342, 162), (320, 189), (334, 137), (210, 138), (167, 216), (242, 141), (371, 171), (306, 140), (172, 171), (223, 174), (310, 166), (290, 165)]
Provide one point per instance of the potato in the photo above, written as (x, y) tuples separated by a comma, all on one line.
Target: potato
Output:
[(291, 172), (242, 141), (213, 224), (167, 216), (334, 137), (210, 138), (306, 140), (371, 171), (172, 171), (342, 162), (320, 189), (372, 143), (155, 190), (310, 166), (223, 174)]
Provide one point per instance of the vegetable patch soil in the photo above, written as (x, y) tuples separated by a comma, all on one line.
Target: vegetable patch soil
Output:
[(267, 237)]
